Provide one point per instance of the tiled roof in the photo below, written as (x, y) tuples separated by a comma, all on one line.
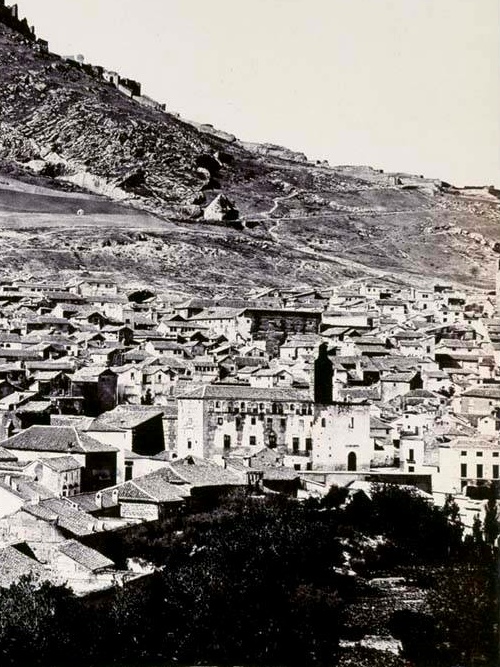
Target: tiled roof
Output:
[(217, 313), (360, 393), (88, 558), (244, 392), (376, 423), (125, 417), (62, 463), (200, 472), (483, 391), (14, 564), (480, 442), (162, 485), (35, 406), (398, 377), (73, 520), (64, 439), (279, 473), (5, 455), (88, 374)]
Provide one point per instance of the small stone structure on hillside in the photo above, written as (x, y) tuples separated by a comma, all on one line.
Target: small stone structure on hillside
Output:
[(221, 210)]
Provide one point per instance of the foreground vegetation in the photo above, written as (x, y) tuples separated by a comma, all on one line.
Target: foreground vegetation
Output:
[(267, 580)]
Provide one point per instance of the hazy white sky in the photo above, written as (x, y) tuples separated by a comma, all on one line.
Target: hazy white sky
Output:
[(399, 84)]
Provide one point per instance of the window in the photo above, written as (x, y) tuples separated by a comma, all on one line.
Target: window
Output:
[(253, 440), (189, 444), (495, 471), (463, 453), (495, 455), (309, 444), (479, 453), (411, 468), (411, 454), (479, 470), (227, 441), (463, 470), (269, 421), (283, 423), (274, 409), (295, 444), (220, 421), (292, 407), (323, 422), (253, 421), (217, 404), (261, 407), (242, 406)]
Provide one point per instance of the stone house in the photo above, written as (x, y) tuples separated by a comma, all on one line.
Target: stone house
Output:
[(97, 460), (46, 525), (398, 384), (480, 400), (130, 428), (341, 437), (152, 496), (97, 386), (465, 461), (61, 474), (82, 568), (95, 286), (271, 377)]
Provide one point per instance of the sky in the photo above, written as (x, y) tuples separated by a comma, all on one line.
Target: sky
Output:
[(402, 85)]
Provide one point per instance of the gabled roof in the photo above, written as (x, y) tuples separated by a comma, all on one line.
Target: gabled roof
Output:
[(398, 377), (14, 564), (483, 391), (86, 557), (244, 392), (125, 417), (62, 513), (64, 439), (160, 486), (200, 472), (62, 463)]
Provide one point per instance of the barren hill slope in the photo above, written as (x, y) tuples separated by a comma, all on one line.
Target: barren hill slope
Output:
[(152, 175)]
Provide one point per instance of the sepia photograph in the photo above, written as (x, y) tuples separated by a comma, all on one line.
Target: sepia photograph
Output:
[(249, 333)]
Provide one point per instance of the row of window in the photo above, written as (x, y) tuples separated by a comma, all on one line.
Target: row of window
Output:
[(276, 408), (283, 422), (252, 441), (480, 471), (464, 453)]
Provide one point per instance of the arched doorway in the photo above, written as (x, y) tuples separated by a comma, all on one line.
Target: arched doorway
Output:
[(351, 461)]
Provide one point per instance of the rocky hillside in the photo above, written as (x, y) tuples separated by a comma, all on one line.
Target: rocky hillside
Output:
[(89, 178)]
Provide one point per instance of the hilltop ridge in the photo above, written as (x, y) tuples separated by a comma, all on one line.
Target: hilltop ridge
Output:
[(66, 127)]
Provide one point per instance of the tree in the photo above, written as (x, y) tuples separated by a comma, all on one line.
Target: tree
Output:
[(148, 398), (39, 623), (463, 605), (477, 530), (491, 520)]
